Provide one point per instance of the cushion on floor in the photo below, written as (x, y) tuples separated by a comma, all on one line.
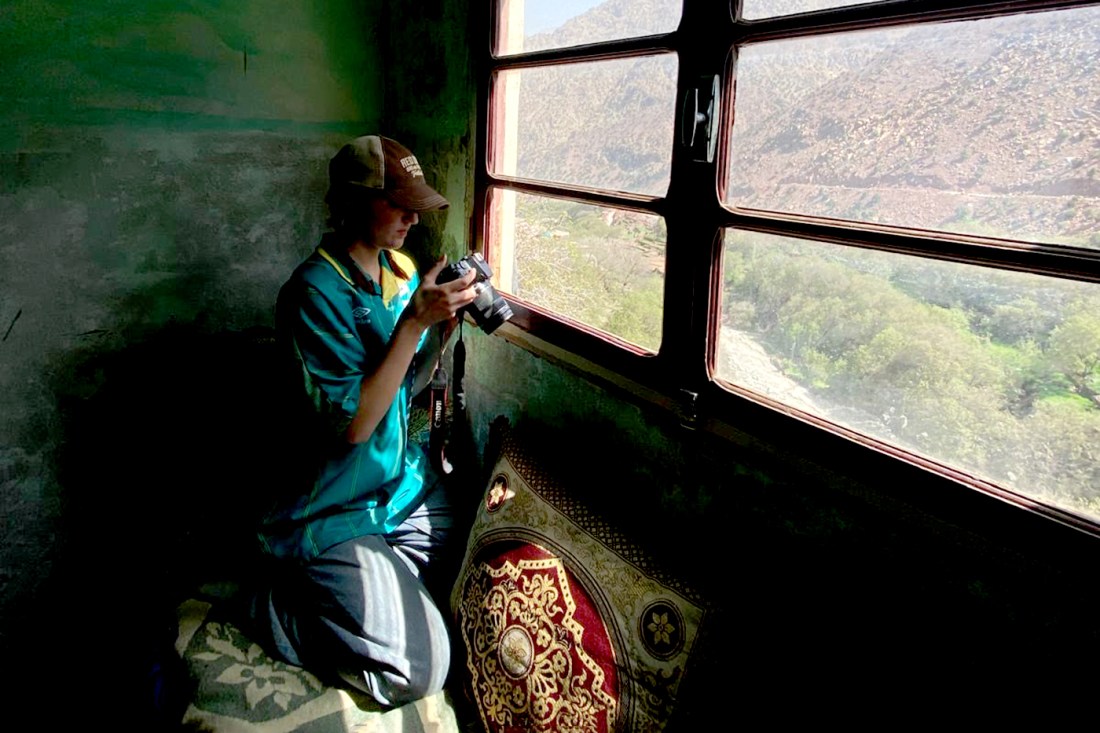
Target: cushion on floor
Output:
[(237, 688), (567, 624)]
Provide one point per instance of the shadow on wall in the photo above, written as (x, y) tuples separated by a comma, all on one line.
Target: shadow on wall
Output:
[(825, 604), (171, 460), (166, 466)]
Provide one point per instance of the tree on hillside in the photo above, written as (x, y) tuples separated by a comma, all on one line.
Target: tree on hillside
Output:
[(1075, 349)]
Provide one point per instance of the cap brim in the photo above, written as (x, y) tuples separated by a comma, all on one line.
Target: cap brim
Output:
[(418, 198)]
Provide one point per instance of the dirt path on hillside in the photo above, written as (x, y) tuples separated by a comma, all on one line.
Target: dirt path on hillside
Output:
[(745, 362)]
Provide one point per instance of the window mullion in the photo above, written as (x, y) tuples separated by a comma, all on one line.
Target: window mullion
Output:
[(693, 211)]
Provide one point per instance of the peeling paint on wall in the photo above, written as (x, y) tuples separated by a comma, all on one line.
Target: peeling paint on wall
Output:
[(162, 169)]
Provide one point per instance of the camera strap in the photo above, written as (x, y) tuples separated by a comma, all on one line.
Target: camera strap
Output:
[(440, 428)]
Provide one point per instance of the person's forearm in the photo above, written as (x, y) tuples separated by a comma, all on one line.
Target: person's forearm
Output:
[(429, 305), (380, 387)]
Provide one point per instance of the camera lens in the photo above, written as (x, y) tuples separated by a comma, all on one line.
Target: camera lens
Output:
[(488, 309), (493, 310)]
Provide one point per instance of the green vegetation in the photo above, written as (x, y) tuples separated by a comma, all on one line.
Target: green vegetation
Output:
[(602, 267), (996, 373)]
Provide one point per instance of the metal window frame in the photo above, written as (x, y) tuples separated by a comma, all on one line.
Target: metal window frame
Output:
[(679, 378)]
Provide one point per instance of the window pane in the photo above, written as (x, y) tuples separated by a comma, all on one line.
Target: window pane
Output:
[(603, 124), (987, 127), (600, 266), (757, 9), (534, 25), (996, 373)]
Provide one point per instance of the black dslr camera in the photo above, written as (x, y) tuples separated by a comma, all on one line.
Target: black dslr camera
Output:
[(489, 309)]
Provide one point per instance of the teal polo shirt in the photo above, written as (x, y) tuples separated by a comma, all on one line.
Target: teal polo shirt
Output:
[(333, 323)]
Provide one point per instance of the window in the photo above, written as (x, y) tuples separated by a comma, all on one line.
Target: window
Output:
[(881, 220), (592, 137)]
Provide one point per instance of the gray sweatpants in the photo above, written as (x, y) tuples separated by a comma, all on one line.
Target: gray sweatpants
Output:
[(362, 611)]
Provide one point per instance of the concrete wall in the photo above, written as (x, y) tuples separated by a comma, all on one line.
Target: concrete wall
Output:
[(162, 168)]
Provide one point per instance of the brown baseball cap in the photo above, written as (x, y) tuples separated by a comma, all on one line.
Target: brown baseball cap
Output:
[(384, 165)]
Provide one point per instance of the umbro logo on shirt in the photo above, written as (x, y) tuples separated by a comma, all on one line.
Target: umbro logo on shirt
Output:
[(361, 314)]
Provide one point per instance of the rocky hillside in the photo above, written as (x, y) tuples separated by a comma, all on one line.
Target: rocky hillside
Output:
[(990, 126)]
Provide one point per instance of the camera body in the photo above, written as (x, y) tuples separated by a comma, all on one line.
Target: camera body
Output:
[(489, 308)]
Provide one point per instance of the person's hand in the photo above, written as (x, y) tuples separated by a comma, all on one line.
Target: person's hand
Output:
[(432, 303)]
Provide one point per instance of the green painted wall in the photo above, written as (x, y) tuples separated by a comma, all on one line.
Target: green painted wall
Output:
[(202, 63), (162, 167), (162, 170)]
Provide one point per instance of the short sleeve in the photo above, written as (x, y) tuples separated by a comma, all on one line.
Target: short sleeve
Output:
[(318, 325)]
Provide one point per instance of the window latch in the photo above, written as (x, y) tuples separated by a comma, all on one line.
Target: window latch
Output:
[(687, 409), (699, 122)]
